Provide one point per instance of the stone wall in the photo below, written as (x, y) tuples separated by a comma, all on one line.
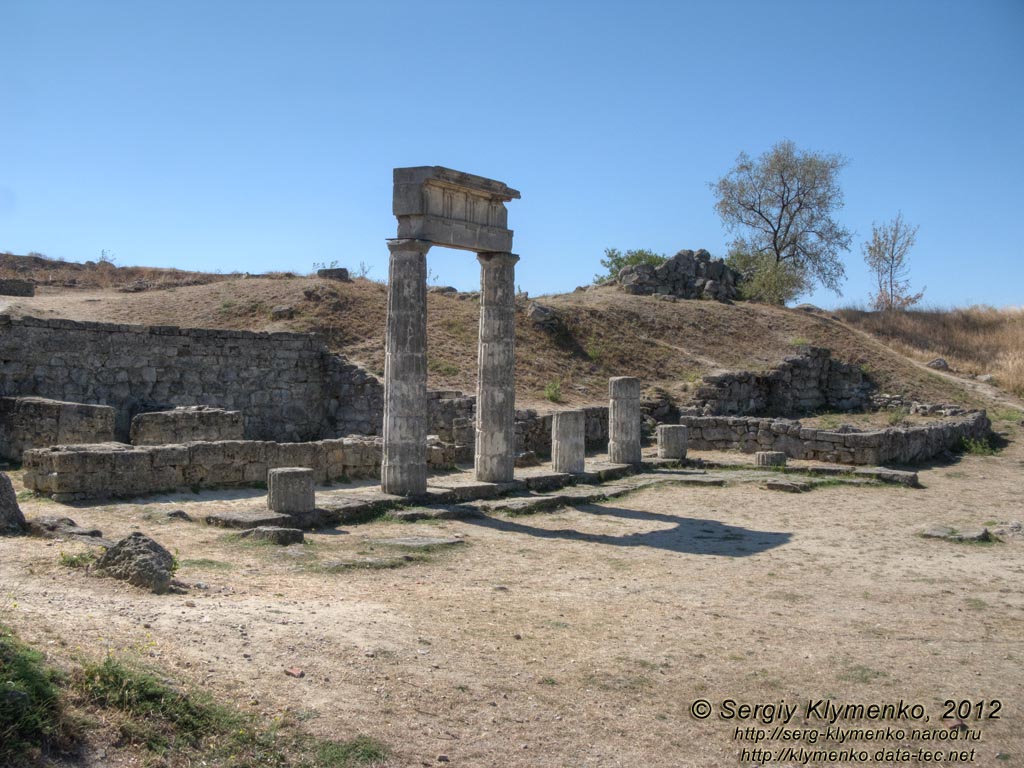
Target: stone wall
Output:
[(17, 288), (800, 384), (185, 425), (77, 472), (897, 445), (35, 422), (533, 430), (287, 386), (687, 275)]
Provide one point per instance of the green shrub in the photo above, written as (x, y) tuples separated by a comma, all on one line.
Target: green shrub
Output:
[(553, 391)]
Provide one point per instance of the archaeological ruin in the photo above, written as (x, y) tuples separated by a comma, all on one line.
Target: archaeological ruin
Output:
[(97, 410)]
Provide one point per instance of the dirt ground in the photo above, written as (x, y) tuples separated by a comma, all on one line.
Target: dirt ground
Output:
[(581, 637)]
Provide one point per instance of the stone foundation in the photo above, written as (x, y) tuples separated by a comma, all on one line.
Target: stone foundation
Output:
[(17, 288), (36, 422), (287, 386), (905, 445), (76, 472), (185, 425), (800, 384)]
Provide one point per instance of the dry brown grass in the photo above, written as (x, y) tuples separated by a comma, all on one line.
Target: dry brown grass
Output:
[(97, 274), (978, 339)]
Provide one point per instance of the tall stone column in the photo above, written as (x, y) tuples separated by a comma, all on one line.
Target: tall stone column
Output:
[(404, 466), (624, 420), (495, 389)]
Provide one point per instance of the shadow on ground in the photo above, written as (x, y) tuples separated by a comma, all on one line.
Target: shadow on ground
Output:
[(695, 536)]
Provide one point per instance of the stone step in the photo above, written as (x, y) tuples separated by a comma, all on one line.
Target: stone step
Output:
[(248, 518)]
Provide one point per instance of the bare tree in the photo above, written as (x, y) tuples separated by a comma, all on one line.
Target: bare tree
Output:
[(781, 205), (886, 255)]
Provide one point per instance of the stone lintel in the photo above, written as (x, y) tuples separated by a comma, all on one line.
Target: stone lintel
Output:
[(463, 235), (400, 244)]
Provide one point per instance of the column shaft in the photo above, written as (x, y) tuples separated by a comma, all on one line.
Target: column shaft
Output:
[(568, 441), (624, 420), (404, 465), (495, 389)]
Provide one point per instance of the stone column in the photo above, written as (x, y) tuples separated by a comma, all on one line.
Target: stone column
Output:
[(404, 465), (495, 389), (568, 441), (624, 420)]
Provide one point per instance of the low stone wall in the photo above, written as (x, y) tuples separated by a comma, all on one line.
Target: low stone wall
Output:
[(186, 425), (16, 287), (893, 445), (35, 422), (78, 472), (533, 430), (799, 384), (687, 275)]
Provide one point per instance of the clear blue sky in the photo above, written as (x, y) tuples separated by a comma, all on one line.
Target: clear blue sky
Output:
[(255, 136)]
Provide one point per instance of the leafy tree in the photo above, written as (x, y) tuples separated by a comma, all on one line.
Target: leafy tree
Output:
[(781, 206), (886, 255), (765, 279), (614, 260)]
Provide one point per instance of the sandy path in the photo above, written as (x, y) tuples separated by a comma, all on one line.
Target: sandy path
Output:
[(579, 637)]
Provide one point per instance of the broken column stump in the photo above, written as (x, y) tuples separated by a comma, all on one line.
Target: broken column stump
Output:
[(290, 490)]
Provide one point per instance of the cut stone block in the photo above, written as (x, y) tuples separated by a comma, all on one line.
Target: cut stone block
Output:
[(275, 535), (672, 439), (770, 459), (290, 490), (568, 441)]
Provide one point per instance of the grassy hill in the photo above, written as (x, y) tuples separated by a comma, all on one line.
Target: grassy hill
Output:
[(603, 332)]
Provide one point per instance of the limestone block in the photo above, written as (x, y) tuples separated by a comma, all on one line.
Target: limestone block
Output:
[(672, 439), (770, 459), (624, 420), (290, 490)]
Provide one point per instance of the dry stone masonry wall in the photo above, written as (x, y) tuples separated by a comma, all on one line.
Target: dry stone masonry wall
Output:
[(17, 288), (77, 472), (287, 386), (687, 275), (899, 445), (800, 384), (36, 422), (185, 425)]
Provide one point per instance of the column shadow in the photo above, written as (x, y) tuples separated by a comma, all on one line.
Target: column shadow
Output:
[(688, 535)]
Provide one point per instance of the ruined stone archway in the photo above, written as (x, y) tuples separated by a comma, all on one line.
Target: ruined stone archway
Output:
[(439, 206)]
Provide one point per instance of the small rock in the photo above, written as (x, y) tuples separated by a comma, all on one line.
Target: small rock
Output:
[(985, 378), (527, 459), (282, 312), (939, 364), (787, 486), (334, 273), (294, 672), (139, 560), (179, 514)]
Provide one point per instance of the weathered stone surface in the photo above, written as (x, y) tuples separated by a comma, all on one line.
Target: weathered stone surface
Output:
[(282, 312), (452, 208), (16, 287), (334, 273), (801, 383), (56, 527), (939, 364), (247, 518), (187, 424), (568, 441), (787, 486), (274, 535), (287, 386), (494, 461), (545, 318), (290, 490), (770, 458), (672, 441), (624, 420), (687, 275), (420, 542), (139, 560), (11, 518), (37, 422), (404, 466)]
